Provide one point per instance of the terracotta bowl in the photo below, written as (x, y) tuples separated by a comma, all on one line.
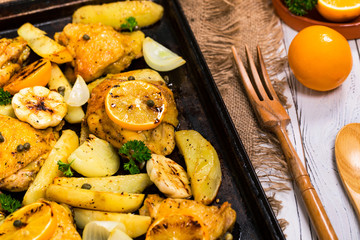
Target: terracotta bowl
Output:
[(350, 30)]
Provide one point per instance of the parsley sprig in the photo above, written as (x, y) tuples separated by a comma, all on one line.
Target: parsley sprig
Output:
[(300, 7), (65, 168), (8, 203), (5, 97), (134, 151), (130, 24)]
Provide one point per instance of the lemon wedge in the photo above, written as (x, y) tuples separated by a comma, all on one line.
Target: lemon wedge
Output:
[(101, 230), (159, 57)]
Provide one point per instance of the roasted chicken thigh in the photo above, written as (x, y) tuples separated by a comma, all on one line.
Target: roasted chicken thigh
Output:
[(99, 49)]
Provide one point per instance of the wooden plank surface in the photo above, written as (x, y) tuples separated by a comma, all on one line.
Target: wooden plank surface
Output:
[(316, 119)]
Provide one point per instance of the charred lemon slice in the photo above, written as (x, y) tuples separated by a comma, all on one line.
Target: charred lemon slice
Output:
[(36, 74), (35, 221), (177, 227), (135, 105)]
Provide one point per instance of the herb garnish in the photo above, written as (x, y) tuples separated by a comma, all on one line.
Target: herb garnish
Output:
[(5, 97), (65, 168), (300, 7), (135, 151), (130, 24), (8, 203)]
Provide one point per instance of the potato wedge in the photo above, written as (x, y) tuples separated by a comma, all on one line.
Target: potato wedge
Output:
[(95, 200), (115, 14), (95, 158), (136, 225), (43, 45), (202, 163), (66, 144), (58, 79), (122, 183), (7, 110)]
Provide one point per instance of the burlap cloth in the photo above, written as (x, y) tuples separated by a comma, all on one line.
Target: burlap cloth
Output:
[(219, 24)]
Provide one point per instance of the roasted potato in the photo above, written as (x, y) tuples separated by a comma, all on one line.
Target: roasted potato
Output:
[(115, 14), (58, 80), (43, 45), (122, 183), (95, 158), (202, 163), (7, 110), (66, 144), (136, 225), (95, 200)]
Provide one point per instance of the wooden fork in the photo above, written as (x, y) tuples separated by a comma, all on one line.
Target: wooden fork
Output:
[(273, 116)]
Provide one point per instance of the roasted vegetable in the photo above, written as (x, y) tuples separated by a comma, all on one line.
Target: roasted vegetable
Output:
[(169, 177), (135, 183), (43, 45), (66, 144), (95, 158), (135, 225), (115, 14), (95, 200), (59, 83), (202, 163)]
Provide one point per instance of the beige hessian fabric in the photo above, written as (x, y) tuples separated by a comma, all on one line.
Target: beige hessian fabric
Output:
[(219, 24)]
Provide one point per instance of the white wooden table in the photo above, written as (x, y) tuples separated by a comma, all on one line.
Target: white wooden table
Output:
[(316, 118)]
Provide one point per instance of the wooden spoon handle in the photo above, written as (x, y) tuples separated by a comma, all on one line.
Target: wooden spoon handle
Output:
[(311, 199)]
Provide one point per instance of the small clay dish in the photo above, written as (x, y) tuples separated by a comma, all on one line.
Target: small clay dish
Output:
[(350, 30)]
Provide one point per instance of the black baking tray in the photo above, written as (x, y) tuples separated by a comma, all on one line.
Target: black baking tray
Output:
[(198, 100)]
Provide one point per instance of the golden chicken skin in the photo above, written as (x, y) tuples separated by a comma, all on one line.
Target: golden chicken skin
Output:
[(13, 52), (99, 49), (160, 140), (23, 150)]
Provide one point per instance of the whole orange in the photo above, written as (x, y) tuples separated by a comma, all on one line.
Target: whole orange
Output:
[(320, 58)]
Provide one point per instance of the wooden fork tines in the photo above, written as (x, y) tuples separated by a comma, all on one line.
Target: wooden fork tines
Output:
[(273, 116)]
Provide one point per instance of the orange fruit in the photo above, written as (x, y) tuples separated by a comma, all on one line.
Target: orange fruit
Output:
[(135, 105), (36, 74), (177, 227), (34, 221), (320, 58), (339, 10)]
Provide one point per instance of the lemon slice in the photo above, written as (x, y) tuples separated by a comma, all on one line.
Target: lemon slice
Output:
[(339, 10), (178, 227), (34, 221), (136, 105), (159, 57)]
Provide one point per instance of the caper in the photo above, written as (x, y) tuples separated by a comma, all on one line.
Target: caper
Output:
[(86, 186), (2, 139), (86, 37), (17, 223), (27, 146), (166, 79), (20, 148), (61, 90), (150, 103), (131, 78)]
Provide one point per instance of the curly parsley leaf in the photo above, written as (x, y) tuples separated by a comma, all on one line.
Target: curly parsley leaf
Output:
[(300, 7), (65, 168), (8, 203), (137, 152), (130, 24), (5, 97)]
